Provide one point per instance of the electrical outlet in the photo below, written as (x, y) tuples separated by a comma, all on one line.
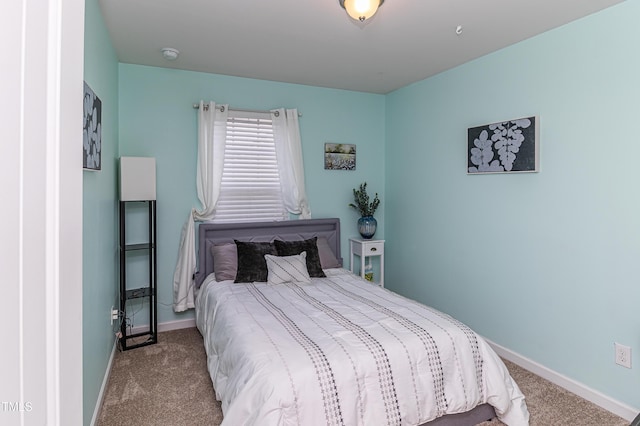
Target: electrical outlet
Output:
[(623, 355), (115, 314)]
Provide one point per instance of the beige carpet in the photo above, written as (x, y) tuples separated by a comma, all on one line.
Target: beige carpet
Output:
[(162, 384), (168, 384)]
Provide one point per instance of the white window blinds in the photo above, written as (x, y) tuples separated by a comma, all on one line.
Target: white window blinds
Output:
[(250, 190)]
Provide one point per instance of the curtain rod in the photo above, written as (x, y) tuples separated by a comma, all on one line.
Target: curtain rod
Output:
[(221, 108)]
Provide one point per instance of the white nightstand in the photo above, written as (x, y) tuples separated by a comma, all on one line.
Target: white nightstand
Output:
[(364, 249)]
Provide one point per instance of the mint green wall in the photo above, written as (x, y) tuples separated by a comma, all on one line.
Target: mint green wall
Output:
[(100, 260), (157, 119), (546, 264)]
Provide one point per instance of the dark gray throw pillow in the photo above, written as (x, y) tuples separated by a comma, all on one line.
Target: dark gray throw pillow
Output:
[(290, 248), (251, 263)]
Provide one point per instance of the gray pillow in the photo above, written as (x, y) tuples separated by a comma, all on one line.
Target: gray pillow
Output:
[(251, 263), (328, 260), (225, 261)]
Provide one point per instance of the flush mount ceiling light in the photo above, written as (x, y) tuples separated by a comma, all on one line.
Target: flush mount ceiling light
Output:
[(361, 10), (170, 53)]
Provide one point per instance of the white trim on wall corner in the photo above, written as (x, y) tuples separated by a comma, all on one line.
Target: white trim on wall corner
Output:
[(105, 381), (616, 407), (41, 221)]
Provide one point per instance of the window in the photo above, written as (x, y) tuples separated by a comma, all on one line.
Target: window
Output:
[(250, 190)]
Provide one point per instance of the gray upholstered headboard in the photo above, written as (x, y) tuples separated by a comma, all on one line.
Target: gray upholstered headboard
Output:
[(290, 230)]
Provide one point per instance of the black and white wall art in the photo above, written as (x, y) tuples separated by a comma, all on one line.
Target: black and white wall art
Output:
[(339, 156), (504, 147), (92, 130)]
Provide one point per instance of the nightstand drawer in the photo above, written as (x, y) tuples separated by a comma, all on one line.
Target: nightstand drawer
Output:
[(373, 248)]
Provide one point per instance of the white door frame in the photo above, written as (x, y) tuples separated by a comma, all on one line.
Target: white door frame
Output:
[(41, 90)]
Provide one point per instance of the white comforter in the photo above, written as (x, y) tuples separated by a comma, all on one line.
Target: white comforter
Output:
[(343, 351)]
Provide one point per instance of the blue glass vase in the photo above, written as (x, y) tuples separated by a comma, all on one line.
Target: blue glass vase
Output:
[(367, 227)]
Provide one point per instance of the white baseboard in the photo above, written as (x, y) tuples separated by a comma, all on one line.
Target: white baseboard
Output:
[(107, 374), (167, 326), (616, 407), (177, 325)]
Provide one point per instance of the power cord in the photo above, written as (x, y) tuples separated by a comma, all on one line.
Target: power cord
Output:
[(127, 320), (170, 305)]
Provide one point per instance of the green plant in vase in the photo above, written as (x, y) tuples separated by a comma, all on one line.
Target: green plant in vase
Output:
[(367, 224)]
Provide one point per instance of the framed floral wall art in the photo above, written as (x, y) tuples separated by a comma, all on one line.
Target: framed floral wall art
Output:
[(504, 147), (92, 130), (339, 156)]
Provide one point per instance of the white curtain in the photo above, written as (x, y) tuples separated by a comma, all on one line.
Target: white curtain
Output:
[(286, 132), (212, 130)]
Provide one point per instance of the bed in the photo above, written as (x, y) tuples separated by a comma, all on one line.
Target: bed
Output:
[(306, 350)]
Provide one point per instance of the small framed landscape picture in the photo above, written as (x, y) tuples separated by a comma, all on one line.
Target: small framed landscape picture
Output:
[(504, 147), (339, 156)]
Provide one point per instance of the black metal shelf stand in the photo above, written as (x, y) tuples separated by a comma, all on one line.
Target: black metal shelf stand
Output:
[(147, 291)]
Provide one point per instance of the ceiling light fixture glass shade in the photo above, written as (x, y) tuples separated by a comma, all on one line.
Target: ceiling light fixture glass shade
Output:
[(170, 53), (361, 10)]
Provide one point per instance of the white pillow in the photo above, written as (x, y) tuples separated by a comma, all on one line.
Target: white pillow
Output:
[(287, 269)]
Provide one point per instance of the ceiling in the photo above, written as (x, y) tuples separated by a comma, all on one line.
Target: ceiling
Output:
[(314, 42)]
